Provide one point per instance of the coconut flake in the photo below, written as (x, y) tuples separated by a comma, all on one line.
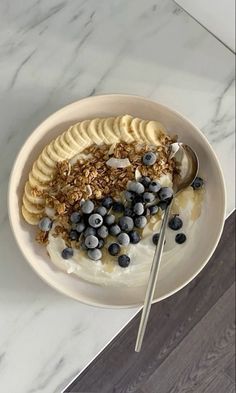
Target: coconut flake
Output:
[(174, 147), (50, 212), (137, 174), (118, 162)]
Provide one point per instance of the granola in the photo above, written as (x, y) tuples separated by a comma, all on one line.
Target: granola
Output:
[(94, 179)]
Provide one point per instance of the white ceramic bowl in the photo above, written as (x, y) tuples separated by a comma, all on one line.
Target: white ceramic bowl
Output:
[(174, 273)]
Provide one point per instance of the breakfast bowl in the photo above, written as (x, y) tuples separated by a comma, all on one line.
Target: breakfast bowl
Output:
[(180, 265)]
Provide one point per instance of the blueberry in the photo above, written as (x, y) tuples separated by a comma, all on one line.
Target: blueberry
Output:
[(149, 158), (175, 223), (87, 207), (138, 198), (197, 183), (102, 232), (134, 237), (129, 196), (123, 239), (73, 235), (162, 205), (80, 227), (85, 220), (100, 243), (140, 222), (136, 187), (95, 254), (126, 223), (153, 209), (95, 220), (107, 202), (101, 210), (114, 230), (67, 253), (138, 208), (118, 207), (165, 193), (45, 224), (148, 197), (75, 217), (89, 231), (155, 238), (129, 212), (145, 180), (180, 238), (114, 249), (91, 241), (109, 219), (154, 186), (124, 260)]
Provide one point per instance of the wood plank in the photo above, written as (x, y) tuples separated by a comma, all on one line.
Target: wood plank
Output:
[(119, 369), (220, 384), (230, 369), (202, 355)]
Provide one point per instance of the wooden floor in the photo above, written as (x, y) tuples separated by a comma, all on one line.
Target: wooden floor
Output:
[(189, 345)]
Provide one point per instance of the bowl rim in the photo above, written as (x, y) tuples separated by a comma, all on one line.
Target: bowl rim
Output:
[(120, 96)]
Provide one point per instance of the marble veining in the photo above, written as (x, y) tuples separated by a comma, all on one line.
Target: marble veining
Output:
[(53, 53)]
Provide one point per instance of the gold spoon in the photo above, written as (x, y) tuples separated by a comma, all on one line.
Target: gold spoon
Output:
[(187, 165)]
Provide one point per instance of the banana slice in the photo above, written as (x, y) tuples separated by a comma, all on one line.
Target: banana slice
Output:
[(75, 133), (108, 130), (39, 175), (125, 123), (153, 131), (34, 183), (32, 207), (32, 219), (69, 149), (44, 168), (83, 131), (142, 127), (45, 157), (92, 131), (116, 127), (70, 140), (53, 154), (59, 150), (38, 200), (134, 129), (101, 133)]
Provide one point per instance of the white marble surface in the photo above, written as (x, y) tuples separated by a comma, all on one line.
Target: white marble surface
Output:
[(52, 53)]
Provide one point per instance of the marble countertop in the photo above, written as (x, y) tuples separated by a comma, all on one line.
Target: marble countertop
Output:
[(53, 53)]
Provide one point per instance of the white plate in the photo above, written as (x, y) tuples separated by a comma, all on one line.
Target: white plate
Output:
[(175, 272)]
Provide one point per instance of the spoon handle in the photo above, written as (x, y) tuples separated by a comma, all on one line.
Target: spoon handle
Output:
[(152, 281)]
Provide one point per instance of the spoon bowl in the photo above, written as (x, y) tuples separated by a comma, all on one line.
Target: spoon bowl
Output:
[(187, 165)]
